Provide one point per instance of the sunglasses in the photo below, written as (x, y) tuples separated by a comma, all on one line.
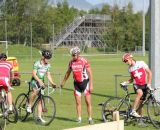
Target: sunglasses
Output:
[(125, 61), (74, 55)]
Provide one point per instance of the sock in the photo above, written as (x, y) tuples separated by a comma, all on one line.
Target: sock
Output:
[(90, 118), (10, 107), (79, 118)]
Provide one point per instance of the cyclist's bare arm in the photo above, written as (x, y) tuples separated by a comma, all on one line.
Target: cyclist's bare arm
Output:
[(149, 72), (50, 79), (66, 77), (34, 74), (89, 71)]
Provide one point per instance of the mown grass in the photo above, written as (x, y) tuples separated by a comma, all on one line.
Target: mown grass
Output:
[(104, 68)]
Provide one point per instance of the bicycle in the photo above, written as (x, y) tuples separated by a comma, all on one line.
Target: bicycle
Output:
[(10, 116), (123, 105), (47, 103)]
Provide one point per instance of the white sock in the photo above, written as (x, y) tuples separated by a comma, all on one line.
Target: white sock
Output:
[(10, 107), (90, 118), (79, 118)]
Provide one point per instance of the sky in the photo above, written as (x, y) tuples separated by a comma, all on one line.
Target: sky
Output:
[(137, 4)]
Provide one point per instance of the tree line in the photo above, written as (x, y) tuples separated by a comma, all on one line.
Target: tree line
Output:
[(19, 17)]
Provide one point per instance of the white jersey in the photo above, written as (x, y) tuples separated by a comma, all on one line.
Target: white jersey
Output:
[(138, 72)]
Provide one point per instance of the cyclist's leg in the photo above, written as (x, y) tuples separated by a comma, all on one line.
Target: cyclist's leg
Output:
[(77, 94), (138, 97), (32, 97), (78, 104), (144, 90), (88, 100), (7, 88), (33, 94)]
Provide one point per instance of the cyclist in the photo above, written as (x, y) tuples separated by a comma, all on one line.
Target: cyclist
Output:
[(139, 71), (82, 75), (40, 69), (5, 78)]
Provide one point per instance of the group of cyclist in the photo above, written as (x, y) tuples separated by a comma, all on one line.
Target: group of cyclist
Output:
[(83, 82)]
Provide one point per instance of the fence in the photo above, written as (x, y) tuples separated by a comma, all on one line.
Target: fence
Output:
[(116, 79)]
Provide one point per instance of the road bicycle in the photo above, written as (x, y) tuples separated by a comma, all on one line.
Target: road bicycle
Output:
[(123, 105), (47, 103), (10, 116)]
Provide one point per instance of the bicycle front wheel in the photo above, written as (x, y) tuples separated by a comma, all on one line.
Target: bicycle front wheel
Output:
[(21, 105), (114, 104), (13, 116), (153, 109), (44, 108)]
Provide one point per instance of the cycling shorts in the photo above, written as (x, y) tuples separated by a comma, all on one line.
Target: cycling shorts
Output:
[(35, 84), (143, 88), (5, 84), (81, 87)]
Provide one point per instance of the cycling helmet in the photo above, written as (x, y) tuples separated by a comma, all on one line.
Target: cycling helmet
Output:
[(126, 56), (3, 56), (75, 51), (47, 54)]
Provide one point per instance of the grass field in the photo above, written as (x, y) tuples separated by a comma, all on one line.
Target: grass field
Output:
[(104, 68)]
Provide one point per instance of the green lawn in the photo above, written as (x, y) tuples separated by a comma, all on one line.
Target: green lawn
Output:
[(104, 68)]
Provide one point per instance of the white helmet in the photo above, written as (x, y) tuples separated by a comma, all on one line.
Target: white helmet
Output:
[(75, 51)]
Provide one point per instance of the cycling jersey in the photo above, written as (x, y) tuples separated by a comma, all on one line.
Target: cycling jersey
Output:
[(41, 69), (78, 68), (138, 72), (5, 69)]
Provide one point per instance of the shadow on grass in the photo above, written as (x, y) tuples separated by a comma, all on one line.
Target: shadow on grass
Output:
[(96, 94), (65, 119)]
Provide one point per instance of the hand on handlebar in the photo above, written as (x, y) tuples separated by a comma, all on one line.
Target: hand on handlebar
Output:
[(54, 85), (124, 83), (149, 87)]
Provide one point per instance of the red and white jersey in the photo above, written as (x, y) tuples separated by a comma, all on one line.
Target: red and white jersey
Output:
[(138, 72), (78, 68), (5, 68)]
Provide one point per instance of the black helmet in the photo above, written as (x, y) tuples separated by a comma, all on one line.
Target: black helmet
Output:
[(3, 56), (47, 54)]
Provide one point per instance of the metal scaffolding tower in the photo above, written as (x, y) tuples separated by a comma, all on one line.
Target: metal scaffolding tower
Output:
[(87, 31)]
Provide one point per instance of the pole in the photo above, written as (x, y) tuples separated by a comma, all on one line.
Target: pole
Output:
[(143, 44), (53, 37), (155, 42), (6, 38), (31, 38)]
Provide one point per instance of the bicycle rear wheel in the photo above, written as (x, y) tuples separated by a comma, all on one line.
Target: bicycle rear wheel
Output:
[(48, 110), (153, 110), (21, 105), (114, 104)]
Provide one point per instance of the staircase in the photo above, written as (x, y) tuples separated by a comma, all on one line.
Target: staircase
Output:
[(68, 30)]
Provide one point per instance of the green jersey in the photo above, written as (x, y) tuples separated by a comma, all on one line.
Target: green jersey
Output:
[(41, 69)]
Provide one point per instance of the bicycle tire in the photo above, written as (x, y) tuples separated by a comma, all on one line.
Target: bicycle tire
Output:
[(13, 116), (48, 110), (153, 110), (21, 105), (112, 105)]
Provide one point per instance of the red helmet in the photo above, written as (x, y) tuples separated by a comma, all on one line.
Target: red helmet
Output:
[(126, 56)]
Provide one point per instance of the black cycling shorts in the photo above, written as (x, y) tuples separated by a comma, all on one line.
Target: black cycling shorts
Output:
[(143, 88), (81, 87)]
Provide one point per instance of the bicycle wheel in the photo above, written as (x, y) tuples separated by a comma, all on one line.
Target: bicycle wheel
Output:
[(21, 105), (13, 116), (153, 110), (114, 104), (48, 110)]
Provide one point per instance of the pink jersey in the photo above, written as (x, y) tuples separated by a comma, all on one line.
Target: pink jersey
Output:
[(5, 68), (78, 68), (138, 72)]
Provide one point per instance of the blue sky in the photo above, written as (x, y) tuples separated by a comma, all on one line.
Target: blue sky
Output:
[(137, 4)]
